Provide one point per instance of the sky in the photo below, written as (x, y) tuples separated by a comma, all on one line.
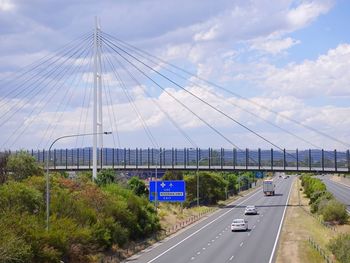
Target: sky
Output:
[(284, 56)]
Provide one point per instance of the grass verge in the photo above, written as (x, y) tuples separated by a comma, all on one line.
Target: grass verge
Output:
[(298, 226)]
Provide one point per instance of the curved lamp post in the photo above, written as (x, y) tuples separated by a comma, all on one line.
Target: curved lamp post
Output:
[(47, 171)]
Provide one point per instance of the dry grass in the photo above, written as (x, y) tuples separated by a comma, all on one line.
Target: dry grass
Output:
[(297, 228)]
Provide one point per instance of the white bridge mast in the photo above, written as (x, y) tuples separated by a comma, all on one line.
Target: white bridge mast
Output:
[(97, 105)]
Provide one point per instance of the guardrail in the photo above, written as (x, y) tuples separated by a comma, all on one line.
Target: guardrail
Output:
[(187, 221)]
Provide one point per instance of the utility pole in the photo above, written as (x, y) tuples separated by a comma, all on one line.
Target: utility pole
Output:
[(97, 103)]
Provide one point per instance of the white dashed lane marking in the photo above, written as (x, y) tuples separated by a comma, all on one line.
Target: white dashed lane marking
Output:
[(241, 244), (231, 258)]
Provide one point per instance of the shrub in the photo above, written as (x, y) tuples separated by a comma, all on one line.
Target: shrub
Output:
[(22, 165), (84, 219), (108, 232), (319, 198), (105, 176), (137, 186), (18, 196), (13, 248), (312, 185), (340, 247), (333, 211)]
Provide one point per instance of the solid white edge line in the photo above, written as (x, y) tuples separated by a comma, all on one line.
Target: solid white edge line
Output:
[(347, 186), (280, 227), (183, 240), (332, 181)]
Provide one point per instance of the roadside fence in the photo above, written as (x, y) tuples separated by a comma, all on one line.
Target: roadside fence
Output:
[(321, 251), (188, 221)]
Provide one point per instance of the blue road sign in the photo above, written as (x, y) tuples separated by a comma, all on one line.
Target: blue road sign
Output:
[(168, 191), (259, 174)]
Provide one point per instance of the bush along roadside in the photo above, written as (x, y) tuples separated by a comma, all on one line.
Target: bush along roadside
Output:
[(332, 211), (87, 219), (323, 202), (340, 247)]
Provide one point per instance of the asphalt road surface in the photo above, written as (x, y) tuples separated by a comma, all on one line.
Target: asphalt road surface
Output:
[(340, 191), (211, 239)]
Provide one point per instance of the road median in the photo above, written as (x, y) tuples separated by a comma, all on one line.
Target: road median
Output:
[(299, 227)]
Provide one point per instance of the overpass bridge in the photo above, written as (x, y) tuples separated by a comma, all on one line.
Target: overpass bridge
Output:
[(309, 160)]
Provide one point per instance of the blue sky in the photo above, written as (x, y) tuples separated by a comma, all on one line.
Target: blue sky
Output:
[(290, 56)]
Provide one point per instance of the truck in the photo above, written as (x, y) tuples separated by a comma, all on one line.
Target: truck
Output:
[(268, 187)]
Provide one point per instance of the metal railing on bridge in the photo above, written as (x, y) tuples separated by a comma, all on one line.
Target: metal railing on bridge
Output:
[(202, 159)]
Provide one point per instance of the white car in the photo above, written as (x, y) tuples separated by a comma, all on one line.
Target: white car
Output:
[(250, 210), (239, 224)]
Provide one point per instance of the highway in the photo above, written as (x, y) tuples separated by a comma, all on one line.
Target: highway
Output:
[(340, 191), (211, 239)]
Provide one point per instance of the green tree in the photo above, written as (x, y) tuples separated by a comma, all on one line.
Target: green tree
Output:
[(106, 176), (22, 165), (212, 188), (173, 175), (232, 181), (3, 167), (138, 186)]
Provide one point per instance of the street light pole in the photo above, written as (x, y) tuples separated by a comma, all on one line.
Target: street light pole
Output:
[(156, 175), (47, 171)]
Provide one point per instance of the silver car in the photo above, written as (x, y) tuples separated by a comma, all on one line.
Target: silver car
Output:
[(250, 210), (239, 224)]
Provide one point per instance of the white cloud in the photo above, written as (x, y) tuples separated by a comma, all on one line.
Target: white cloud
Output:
[(206, 40), (6, 5), (325, 76), (306, 12), (274, 46), (327, 119)]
